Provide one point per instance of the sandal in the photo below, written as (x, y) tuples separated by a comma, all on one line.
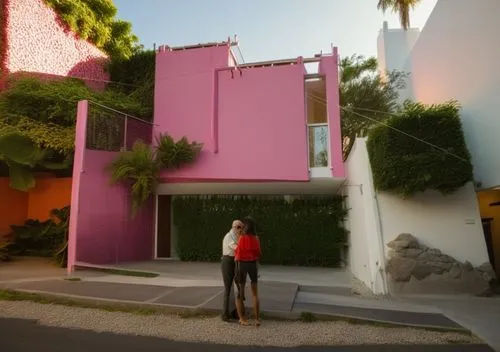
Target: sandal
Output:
[(243, 322), (258, 322)]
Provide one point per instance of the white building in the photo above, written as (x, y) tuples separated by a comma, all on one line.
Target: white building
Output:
[(457, 56), (394, 47)]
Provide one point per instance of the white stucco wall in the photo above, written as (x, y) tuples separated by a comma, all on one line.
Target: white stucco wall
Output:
[(394, 46), (366, 261), (450, 223), (457, 57)]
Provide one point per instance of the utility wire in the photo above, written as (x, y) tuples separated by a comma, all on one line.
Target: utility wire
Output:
[(320, 100), (404, 133)]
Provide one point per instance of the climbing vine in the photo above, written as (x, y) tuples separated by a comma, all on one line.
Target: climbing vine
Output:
[(136, 76), (56, 101), (46, 135), (434, 158), (94, 20)]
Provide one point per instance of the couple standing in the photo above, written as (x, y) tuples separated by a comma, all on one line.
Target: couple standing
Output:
[(240, 255)]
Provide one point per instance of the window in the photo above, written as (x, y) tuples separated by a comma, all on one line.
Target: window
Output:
[(317, 122)]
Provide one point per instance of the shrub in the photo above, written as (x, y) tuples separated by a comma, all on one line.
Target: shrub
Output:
[(43, 238), (435, 157), (141, 166), (305, 231)]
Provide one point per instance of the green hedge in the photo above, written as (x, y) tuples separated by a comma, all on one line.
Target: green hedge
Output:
[(305, 231), (405, 166)]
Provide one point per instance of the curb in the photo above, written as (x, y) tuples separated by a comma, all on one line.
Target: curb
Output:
[(45, 297)]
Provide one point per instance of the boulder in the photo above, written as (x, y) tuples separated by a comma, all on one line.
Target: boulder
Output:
[(411, 264), (400, 269), (422, 270), (404, 240), (487, 272), (455, 272)]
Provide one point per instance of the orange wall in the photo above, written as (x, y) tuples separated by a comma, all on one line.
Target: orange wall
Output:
[(48, 194), (13, 206), (16, 206)]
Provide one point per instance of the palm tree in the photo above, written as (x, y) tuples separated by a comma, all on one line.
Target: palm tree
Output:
[(402, 7), (366, 96)]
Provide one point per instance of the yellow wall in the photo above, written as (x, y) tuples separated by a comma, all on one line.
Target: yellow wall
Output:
[(13, 206), (484, 199), (16, 207)]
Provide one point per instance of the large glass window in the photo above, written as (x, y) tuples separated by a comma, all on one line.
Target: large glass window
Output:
[(317, 122)]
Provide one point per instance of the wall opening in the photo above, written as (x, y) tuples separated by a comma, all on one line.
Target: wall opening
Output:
[(489, 207), (317, 122)]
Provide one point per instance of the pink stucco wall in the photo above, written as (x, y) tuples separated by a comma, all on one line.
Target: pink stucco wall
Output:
[(328, 66), (252, 124), (101, 228), (106, 233), (37, 41)]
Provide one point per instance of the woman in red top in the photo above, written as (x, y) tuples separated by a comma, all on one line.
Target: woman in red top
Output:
[(247, 255)]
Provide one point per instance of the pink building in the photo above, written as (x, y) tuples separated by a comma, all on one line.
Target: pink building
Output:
[(267, 127)]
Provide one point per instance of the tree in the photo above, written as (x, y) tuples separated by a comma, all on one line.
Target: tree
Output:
[(401, 7), (364, 91)]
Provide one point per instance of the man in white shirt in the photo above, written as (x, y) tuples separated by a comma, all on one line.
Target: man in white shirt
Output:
[(229, 244)]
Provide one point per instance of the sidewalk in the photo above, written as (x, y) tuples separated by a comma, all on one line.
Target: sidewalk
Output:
[(179, 290), (278, 299)]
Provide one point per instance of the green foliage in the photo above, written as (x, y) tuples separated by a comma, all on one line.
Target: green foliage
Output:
[(363, 91), (46, 135), (173, 155), (61, 232), (4, 249), (56, 101), (21, 155), (405, 166), (43, 238), (95, 21), (306, 231), (136, 76), (141, 166)]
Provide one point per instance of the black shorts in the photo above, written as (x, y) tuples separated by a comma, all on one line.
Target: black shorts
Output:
[(244, 269)]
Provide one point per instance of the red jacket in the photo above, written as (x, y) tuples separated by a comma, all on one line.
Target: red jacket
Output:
[(248, 249)]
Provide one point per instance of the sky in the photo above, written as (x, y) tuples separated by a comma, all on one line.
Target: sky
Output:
[(266, 29)]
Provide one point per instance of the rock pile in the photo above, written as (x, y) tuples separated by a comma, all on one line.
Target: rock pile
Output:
[(411, 261)]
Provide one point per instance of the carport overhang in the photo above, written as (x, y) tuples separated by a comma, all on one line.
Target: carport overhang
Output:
[(316, 186)]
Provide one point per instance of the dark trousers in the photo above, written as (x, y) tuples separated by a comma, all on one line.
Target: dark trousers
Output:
[(228, 305)]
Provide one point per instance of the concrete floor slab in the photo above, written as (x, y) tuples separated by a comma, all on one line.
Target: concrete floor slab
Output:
[(479, 314), (25, 268), (273, 297), (392, 316), (96, 289), (189, 296), (309, 276)]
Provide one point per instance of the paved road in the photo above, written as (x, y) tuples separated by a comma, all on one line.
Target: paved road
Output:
[(26, 336)]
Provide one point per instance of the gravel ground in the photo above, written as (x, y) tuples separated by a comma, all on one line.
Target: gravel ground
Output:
[(212, 330)]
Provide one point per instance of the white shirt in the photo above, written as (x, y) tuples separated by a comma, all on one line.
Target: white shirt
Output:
[(229, 243)]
